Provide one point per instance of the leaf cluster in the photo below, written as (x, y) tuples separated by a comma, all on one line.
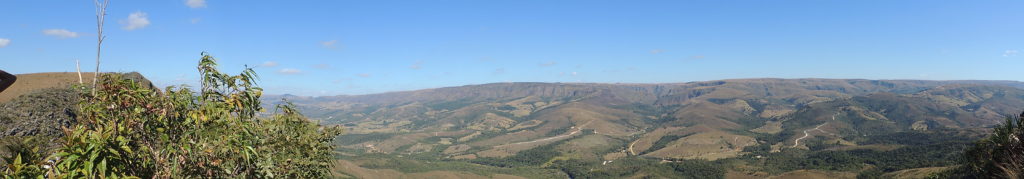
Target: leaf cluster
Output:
[(127, 130)]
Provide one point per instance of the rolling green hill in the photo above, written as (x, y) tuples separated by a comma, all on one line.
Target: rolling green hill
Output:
[(747, 127)]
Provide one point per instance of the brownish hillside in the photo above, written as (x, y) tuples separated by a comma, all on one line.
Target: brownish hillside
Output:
[(31, 82)]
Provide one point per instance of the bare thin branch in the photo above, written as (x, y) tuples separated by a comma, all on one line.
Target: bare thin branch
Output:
[(78, 68), (101, 13)]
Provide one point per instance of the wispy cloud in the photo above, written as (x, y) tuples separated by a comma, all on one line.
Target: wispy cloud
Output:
[(417, 65), (322, 66), (547, 64), (1010, 53), (342, 80), (697, 57), (498, 71), (60, 33), (4, 42), (268, 64), (329, 43), (135, 21), (657, 51), (195, 3), (364, 75), (289, 71), (196, 20)]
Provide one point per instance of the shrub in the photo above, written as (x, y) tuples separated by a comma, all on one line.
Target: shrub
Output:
[(126, 130), (1001, 155)]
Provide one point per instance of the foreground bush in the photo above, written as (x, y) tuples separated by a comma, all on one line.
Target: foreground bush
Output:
[(1001, 155), (126, 130)]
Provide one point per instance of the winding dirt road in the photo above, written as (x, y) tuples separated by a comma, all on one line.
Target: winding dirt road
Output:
[(578, 130), (631, 147), (808, 134)]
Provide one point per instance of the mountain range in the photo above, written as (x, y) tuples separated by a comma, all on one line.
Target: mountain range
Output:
[(709, 120)]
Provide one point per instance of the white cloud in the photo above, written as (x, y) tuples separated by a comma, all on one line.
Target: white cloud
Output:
[(548, 64), (417, 65), (268, 64), (60, 33), (364, 75), (4, 42), (195, 3), (1010, 53), (196, 20), (329, 44), (137, 20), (289, 71)]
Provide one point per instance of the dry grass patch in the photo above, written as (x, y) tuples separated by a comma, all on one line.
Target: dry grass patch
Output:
[(27, 83), (815, 174), (707, 145), (916, 172)]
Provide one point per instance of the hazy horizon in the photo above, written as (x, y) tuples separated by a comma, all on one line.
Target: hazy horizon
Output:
[(359, 47), (618, 83)]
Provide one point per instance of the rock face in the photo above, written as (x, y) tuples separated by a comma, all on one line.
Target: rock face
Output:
[(42, 113), (41, 104)]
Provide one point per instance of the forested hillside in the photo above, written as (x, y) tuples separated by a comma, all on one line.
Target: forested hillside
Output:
[(736, 128)]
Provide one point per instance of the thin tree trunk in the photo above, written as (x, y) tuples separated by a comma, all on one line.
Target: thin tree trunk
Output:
[(78, 68), (101, 12)]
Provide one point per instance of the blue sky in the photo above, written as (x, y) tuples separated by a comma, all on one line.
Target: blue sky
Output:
[(359, 47)]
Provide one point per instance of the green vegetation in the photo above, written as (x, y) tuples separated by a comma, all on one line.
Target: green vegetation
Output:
[(532, 157), (1001, 155), (662, 143), (448, 105), (698, 169), (126, 130), (506, 107), (917, 138), (557, 132), (945, 151), (644, 168), (621, 168)]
